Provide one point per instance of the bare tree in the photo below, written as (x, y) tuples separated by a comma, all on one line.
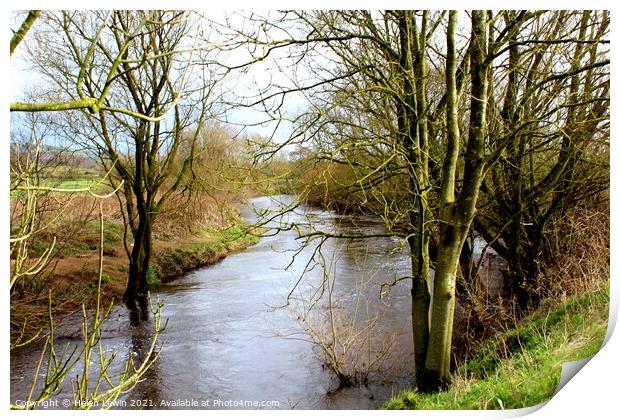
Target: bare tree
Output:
[(152, 100), (26, 191), (390, 94)]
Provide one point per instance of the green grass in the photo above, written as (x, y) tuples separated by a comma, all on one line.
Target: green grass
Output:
[(522, 366), (232, 238), (152, 278), (70, 186), (209, 247), (95, 182), (69, 178)]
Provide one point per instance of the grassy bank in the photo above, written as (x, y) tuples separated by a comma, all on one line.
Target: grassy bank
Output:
[(205, 248), (73, 274), (521, 367)]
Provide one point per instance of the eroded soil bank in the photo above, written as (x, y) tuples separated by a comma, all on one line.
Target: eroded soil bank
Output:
[(71, 279)]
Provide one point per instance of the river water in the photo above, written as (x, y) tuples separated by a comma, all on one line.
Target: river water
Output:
[(231, 337)]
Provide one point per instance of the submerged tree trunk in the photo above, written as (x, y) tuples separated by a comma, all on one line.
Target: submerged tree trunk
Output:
[(139, 262)]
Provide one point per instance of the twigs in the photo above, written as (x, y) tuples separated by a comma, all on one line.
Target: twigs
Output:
[(101, 390), (345, 334)]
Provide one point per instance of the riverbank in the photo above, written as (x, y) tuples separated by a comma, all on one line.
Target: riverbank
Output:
[(521, 367), (73, 277)]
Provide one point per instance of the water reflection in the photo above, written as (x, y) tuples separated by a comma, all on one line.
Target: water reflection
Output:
[(141, 339)]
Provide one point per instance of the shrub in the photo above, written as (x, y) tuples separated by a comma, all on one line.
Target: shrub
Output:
[(152, 278)]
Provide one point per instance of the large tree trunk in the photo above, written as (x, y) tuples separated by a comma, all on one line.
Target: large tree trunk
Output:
[(411, 109), (139, 260), (442, 312), (456, 214)]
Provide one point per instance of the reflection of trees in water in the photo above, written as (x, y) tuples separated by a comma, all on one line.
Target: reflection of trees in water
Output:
[(357, 250), (138, 313), (353, 331), (142, 332), (380, 260)]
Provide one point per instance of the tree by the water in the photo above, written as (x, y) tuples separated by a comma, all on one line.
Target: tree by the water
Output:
[(149, 101), (392, 95)]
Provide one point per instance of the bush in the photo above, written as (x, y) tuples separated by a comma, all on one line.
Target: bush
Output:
[(152, 278)]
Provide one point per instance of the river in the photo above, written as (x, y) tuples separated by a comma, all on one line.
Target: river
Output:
[(230, 337)]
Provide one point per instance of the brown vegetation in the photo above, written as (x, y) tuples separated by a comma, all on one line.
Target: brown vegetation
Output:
[(579, 263), (72, 271)]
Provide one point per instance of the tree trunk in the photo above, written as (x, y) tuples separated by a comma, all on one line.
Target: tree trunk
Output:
[(442, 312), (456, 214), (137, 284), (139, 261), (420, 303), (411, 111)]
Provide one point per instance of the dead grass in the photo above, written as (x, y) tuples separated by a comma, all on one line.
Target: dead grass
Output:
[(580, 255)]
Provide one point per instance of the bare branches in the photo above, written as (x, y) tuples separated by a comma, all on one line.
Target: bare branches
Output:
[(85, 63), (573, 72), (19, 35)]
